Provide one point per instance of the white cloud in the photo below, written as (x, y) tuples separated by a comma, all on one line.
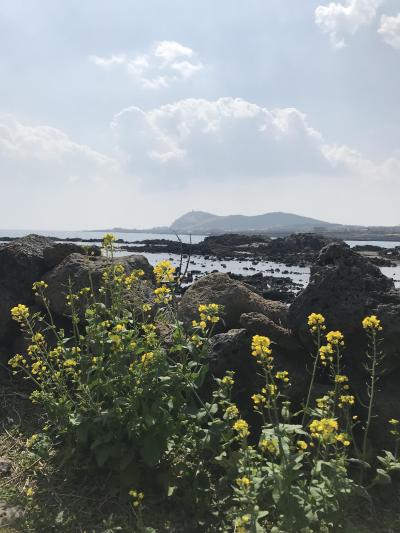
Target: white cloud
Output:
[(46, 153), (340, 20), (167, 62), (390, 30), (226, 138), (231, 139)]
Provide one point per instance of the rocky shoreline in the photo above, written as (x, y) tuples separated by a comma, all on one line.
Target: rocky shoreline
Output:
[(344, 286)]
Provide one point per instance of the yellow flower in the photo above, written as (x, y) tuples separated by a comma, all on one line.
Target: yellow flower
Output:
[(29, 492), (197, 341), (335, 338), (108, 240), (269, 445), (38, 287), (232, 412), (326, 354), (31, 441), (322, 403), (260, 347), (38, 368), (302, 444), (372, 323), (162, 295), (20, 313), (323, 429), (16, 361), (147, 358), (242, 428), (164, 272), (209, 313), (341, 379), (146, 308), (258, 399), (316, 321), (394, 422), (227, 380), (243, 482), (38, 338), (270, 389), (241, 523), (346, 399), (137, 497), (342, 437), (68, 363), (284, 376)]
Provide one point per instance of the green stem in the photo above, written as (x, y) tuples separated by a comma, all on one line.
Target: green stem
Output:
[(371, 396), (314, 371)]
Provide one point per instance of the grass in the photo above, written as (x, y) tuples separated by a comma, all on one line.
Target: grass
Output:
[(71, 498), (65, 498)]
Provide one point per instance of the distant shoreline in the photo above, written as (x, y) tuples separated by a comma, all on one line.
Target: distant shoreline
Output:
[(8, 235)]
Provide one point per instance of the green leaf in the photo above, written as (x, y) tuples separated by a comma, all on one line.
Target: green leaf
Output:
[(382, 477)]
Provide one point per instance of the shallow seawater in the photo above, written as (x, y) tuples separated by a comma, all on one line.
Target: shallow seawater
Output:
[(128, 237), (244, 267)]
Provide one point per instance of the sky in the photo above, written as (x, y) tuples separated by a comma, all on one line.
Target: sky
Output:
[(130, 113)]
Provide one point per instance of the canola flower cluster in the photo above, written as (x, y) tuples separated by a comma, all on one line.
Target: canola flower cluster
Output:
[(209, 316), (243, 482), (137, 497), (232, 412), (324, 429), (335, 338), (162, 295), (242, 523), (260, 349), (335, 341), (164, 272), (372, 323), (316, 322), (269, 446), (20, 313), (242, 428), (108, 240)]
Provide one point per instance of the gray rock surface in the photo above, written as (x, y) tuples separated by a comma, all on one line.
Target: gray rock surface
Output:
[(81, 271), (56, 253), (21, 264), (345, 288), (234, 296)]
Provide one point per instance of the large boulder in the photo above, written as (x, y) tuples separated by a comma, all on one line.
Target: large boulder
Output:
[(287, 351), (78, 271), (232, 351), (345, 288), (258, 324), (235, 297), (55, 254), (21, 264)]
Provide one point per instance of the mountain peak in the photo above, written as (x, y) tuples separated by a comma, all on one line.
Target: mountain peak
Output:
[(203, 222)]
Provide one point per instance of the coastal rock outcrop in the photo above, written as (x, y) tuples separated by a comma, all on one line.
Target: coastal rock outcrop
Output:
[(235, 297), (79, 271), (346, 287), (55, 254), (232, 351), (21, 264)]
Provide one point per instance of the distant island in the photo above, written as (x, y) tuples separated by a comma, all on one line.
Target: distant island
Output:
[(273, 224)]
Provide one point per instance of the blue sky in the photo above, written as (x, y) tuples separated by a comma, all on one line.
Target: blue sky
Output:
[(131, 113)]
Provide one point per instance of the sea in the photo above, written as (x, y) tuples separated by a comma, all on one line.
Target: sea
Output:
[(299, 275)]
